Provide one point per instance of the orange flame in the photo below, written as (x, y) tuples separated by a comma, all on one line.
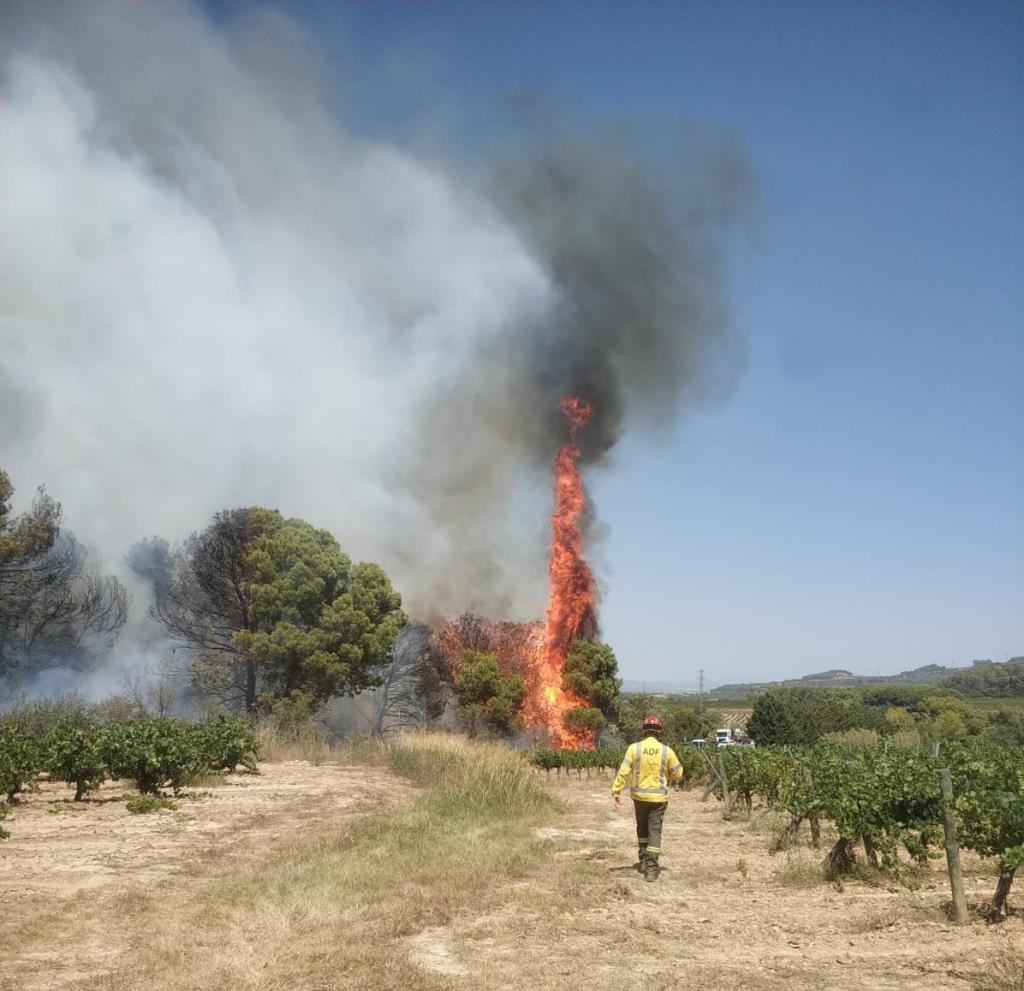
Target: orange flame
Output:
[(536, 651), (571, 611)]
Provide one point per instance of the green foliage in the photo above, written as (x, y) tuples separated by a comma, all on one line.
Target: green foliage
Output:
[(583, 719), (754, 772), (900, 696), (275, 603), (225, 742), (76, 754), (488, 699), (695, 762), (993, 680), (323, 626), (144, 804), (800, 716), (988, 789), (26, 537), (20, 759), (54, 605), (1006, 727), (943, 717), (548, 759), (853, 738), (149, 751), (4, 810), (153, 752), (591, 673), (889, 797), (681, 720), (899, 719)]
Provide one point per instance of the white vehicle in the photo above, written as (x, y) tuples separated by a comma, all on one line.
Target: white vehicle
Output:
[(732, 738)]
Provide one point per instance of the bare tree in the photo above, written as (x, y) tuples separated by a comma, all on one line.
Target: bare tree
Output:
[(156, 687), (59, 609), (203, 602), (415, 689)]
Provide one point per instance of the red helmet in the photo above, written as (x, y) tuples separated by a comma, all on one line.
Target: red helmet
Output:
[(652, 724)]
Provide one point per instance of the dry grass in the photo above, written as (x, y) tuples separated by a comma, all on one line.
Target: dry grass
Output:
[(1006, 972), (802, 873), (332, 908), (307, 741)]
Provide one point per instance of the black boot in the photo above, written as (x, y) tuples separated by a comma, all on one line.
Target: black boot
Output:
[(651, 868), (641, 856)]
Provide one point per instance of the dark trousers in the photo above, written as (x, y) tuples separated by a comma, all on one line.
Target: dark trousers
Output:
[(649, 817)]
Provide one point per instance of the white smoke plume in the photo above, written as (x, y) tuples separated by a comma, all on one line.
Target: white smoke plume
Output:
[(214, 293)]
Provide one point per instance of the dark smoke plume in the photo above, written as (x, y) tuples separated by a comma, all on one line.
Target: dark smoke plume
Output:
[(217, 293), (632, 238)]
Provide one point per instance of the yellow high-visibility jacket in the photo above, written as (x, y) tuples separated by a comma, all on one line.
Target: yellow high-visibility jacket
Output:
[(648, 767)]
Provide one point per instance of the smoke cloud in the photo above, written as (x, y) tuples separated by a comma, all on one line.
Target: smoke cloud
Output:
[(214, 292)]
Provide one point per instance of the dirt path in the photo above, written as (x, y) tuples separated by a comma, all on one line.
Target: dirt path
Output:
[(69, 868), (726, 915)]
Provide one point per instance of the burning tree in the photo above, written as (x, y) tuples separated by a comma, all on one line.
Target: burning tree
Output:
[(570, 681), (571, 612)]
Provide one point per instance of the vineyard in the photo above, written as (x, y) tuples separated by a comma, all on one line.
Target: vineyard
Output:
[(883, 800), (154, 753), (516, 880), (883, 803)]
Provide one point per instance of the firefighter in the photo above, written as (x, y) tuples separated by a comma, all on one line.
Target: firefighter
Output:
[(648, 767)]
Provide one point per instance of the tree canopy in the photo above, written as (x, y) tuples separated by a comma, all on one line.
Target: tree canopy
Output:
[(591, 673), (681, 719), (800, 716), (55, 606), (991, 680), (487, 698), (274, 606)]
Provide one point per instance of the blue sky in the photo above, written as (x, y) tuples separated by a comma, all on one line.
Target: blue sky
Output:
[(859, 501)]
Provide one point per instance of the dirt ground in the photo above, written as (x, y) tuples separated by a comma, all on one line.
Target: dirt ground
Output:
[(725, 915), (61, 854)]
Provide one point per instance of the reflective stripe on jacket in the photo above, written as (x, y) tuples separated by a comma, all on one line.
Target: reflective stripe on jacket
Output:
[(648, 767)]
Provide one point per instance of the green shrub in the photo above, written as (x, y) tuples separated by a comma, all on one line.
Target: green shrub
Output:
[(583, 720), (3, 815), (696, 766), (143, 804), (20, 759), (853, 738), (77, 755), (152, 752), (225, 742), (800, 716), (575, 760)]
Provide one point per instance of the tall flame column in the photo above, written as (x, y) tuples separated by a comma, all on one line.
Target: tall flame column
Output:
[(571, 611)]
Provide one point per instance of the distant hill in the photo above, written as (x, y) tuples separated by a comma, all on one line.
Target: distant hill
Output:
[(658, 688), (966, 680), (991, 680)]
